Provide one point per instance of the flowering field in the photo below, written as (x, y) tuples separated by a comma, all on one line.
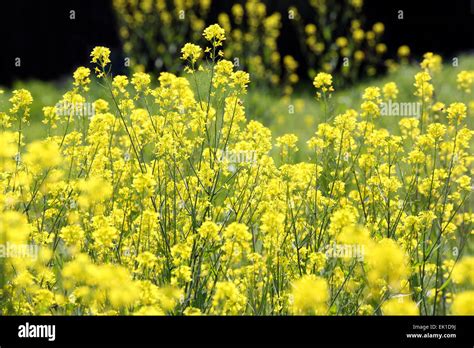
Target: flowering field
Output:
[(170, 200)]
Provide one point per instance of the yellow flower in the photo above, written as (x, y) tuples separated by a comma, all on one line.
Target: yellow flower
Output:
[(14, 228), (436, 130), (147, 259), (42, 155), (416, 156), (381, 48), (310, 29), (371, 93), (456, 112), (100, 106), (93, 190), (359, 55), (465, 79), (191, 52), (400, 306), (141, 81), (310, 295), (21, 99), (228, 300), (463, 271), (371, 104), (424, 89), (237, 12), (323, 82), (240, 80), (104, 235), (288, 141), (378, 28), (386, 263), (341, 42), (463, 303), (370, 36), (178, 204), (81, 77), (366, 310), (290, 63), (144, 183), (464, 182), (438, 106), (431, 62), (358, 35), (189, 311), (357, 4), (390, 90), (101, 56), (215, 34), (403, 51), (8, 149), (209, 231), (72, 235), (120, 82), (237, 237), (50, 116), (223, 73)]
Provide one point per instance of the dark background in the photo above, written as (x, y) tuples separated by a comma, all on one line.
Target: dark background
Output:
[(51, 45)]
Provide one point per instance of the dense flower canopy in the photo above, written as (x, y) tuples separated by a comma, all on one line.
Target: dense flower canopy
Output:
[(167, 200)]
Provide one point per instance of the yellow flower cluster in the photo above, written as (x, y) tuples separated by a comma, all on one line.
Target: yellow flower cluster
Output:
[(253, 34), (169, 201), (214, 34), (465, 80), (101, 56), (323, 83)]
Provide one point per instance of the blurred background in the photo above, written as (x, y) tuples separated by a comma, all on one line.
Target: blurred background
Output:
[(51, 44), (282, 44)]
